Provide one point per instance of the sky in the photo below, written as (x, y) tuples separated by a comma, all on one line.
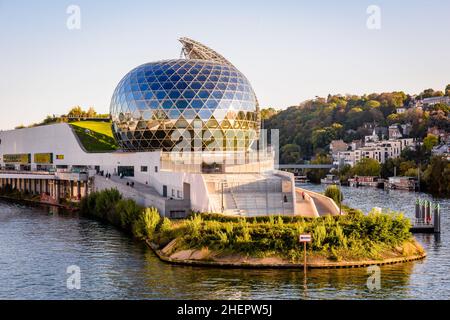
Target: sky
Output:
[(290, 51)]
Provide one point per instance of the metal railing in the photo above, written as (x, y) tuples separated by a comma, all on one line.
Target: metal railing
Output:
[(217, 162)]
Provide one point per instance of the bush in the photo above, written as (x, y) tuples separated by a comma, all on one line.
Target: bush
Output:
[(108, 205), (145, 225), (334, 192), (126, 213)]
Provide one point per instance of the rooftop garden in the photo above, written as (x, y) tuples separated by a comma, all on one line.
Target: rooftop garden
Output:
[(95, 136)]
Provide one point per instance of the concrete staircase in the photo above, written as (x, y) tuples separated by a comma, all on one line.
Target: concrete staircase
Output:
[(249, 194)]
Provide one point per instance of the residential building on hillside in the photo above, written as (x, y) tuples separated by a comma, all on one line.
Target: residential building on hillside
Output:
[(442, 150), (379, 150), (443, 135), (435, 100), (394, 132), (338, 145)]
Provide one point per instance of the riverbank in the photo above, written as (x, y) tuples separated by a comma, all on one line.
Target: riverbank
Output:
[(31, 201), (349, 240), (207, 258)]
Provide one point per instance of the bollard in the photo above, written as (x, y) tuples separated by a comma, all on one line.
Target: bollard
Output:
[(422, 211), (437, 218), (417, 210), (429, 212)]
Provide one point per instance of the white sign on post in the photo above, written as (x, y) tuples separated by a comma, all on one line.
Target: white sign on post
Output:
[(305, 238)]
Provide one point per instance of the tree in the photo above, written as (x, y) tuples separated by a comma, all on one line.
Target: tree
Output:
[(393, 118), (387, 169), (268, 113), (372, 104), (290, 153), (406, 166), (335, 193), (316, 174), (428, 93), (430, 141), (367, 167), (322, 137), (76, 112), (91, 113), (345, 172), (447, 90), (437, 176)]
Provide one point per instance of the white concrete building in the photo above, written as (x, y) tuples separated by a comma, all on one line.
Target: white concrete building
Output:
[(173, 185), (379, 150)]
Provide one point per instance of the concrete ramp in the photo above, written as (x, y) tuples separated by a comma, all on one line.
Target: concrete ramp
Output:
[(314, 204)]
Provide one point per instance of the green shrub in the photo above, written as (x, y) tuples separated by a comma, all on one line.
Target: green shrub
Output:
[(105, 203), (145, 225), (334, 192), (126, 213)]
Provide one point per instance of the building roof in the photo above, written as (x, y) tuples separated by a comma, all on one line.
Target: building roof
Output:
[(195, 50)]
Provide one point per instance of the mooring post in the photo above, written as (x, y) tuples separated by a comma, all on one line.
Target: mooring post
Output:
[(437, 218), (423, 211), (429, 212), (417, 210)]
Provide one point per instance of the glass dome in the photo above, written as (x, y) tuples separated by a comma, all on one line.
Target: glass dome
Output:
[(160, 105)]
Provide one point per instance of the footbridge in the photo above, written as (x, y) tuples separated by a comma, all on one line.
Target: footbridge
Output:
[(305, 166)]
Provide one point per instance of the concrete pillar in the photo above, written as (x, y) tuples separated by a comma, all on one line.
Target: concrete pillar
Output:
[(85, 188), (57, 191), (78, 190), (71, 189)]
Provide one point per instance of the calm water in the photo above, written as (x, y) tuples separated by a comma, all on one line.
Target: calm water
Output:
[(37, 246)]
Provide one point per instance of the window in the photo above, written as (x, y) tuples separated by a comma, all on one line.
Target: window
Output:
[(144, 169), (125, 171), (156, 168), (173, 193), (179, 194)]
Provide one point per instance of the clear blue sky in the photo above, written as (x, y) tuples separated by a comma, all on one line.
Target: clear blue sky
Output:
[(290, 50)]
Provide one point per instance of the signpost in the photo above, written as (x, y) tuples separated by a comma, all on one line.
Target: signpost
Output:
[(305, 238)]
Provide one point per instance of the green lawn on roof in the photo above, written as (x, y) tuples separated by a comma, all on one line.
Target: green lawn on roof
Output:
[(95, 136)]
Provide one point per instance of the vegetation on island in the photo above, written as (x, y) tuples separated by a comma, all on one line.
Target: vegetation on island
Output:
[(354, 236)]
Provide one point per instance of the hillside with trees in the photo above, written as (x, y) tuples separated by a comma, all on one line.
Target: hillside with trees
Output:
[(307, 130)]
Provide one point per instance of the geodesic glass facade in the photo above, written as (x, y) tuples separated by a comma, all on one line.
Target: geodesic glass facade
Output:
[(160, 105)]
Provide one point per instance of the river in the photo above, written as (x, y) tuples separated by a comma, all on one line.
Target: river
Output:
[(37, 245)]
